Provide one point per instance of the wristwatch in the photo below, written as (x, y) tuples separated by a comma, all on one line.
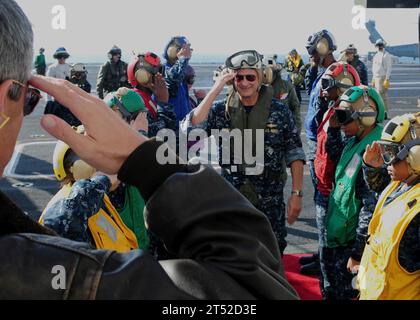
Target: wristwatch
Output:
[(298, 193)]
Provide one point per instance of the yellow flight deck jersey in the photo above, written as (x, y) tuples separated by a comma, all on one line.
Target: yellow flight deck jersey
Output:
[(381, 276)]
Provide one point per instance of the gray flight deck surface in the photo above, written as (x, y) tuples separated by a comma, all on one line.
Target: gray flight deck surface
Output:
[(30, 182)]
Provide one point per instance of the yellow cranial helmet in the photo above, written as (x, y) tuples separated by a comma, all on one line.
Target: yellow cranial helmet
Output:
[(65, 160), (401, 140)]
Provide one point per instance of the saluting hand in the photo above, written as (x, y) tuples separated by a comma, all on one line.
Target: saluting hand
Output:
[(108, 139), (159, 88), (372, 156)]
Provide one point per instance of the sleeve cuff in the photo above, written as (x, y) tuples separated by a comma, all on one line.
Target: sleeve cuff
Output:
[(295, 155), (142, 169)]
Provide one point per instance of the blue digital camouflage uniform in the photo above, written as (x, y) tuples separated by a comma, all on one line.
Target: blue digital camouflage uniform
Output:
[(281, 141), (178, 88), (166, 119), (336, 279), (69, 216), (409, 249)]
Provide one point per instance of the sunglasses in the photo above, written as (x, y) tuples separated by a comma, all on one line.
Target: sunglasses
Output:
[(33, 96), (248, 77), (127, 115)]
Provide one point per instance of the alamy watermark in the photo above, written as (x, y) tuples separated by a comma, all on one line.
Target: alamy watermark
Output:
[(58, 282), (237, 148), (58, 21), (359, 20)]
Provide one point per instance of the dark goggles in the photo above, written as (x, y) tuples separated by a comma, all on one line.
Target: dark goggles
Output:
[(344, 116), (329, 83), (127, 115), (242, 59)]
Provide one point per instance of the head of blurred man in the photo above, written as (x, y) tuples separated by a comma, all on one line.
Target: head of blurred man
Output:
[(320, 47), (350, 53), (380, 45), (174, 46), (248, 68), (16, 38), (114, 54)]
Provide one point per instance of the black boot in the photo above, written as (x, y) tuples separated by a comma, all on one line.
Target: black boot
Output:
[(311, 269), (310, 259)]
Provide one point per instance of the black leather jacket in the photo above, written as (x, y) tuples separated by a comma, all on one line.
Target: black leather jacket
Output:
[(224, 246)]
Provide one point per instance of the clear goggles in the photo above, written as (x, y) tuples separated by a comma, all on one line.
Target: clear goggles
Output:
[(243, 59), (393, 152), (328, 83)]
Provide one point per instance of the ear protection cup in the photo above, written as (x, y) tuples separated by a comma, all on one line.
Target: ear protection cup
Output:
[(413, 158), (109, 56), (81, 170), (172, 52), (268, 75), (322, 47), (368, 120), (142, 76)]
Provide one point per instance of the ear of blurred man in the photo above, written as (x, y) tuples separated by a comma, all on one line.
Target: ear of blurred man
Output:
[(11, 115)]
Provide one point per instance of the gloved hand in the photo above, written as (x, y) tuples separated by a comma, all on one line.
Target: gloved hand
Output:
[(386, 84)]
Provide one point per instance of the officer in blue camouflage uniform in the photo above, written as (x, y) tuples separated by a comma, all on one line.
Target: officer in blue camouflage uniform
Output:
[(178, 53), (251, 106)]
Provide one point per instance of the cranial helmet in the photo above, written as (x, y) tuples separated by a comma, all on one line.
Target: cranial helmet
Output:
[(66, 161), (362, 104), (322, 42), (401, 140), (142, 68)]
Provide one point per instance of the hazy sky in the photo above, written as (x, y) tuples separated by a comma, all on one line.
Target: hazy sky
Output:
[(212, 26)]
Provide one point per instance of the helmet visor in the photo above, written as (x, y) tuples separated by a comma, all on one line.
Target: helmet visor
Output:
[(243, 59)]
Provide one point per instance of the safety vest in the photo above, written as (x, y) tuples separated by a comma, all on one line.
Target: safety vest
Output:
[(343, 206), (109, 231), (254, 120), (380, 273), (132, 215), (324, 166), (106, 226)]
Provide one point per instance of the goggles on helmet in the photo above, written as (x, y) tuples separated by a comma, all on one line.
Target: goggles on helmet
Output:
[(127, 115), (344, 116), (393, 152), (328, 83), (243, 59)]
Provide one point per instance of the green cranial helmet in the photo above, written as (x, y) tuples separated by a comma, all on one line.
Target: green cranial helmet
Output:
[(353, 94), (130, 99)]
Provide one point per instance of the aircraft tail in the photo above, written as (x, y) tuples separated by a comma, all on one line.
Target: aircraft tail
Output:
[(374, 34)]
